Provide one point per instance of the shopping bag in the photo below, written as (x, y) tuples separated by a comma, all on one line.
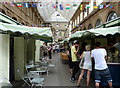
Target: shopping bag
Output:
[(81, 63)]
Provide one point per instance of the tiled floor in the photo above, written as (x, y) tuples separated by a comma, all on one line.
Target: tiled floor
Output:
[(58, 76)]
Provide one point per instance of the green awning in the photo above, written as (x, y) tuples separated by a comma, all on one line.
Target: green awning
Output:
[(115, 22), (77, 34), (67, 39), (97, 32), (34, 31), (104, 31), (6, 19), (101, 26), (61, 42)]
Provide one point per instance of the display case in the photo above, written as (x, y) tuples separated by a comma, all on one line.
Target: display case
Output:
[(113, 55), (113, 63)]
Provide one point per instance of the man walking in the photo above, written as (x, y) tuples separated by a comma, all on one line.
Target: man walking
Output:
[(75, 63), (101, 69)]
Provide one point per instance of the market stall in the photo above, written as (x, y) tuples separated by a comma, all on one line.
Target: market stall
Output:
[(20, 41), (110, 40)]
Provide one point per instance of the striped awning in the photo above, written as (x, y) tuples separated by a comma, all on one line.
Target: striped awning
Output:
[(6, 19), (97, 32), (105, 31), (41, 32)]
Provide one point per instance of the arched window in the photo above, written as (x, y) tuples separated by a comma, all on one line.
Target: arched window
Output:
[(1, 10), (22, 23), (112, 15), (84, 28), (14, 18), (90, 26), (98, 23)]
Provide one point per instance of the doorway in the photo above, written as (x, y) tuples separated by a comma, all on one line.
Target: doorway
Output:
[(11, 71)]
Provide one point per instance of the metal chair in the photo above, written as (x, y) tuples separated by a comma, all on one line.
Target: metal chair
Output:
[(24, 78), (51, 65), (35, 79)]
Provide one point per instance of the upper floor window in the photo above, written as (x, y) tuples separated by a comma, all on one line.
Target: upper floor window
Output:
[(98, 23), (1, 10), (90, 26), (112, 15), (14, 18), (84, 28)]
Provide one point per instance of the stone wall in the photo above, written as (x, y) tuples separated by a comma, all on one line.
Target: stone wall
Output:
[(94, 16), (26, 16)]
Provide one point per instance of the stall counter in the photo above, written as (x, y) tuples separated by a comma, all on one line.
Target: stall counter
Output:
[(115, 73)]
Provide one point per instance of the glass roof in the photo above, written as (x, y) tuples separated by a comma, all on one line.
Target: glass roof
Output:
[(57, 11), (56, 16), (50, 9)]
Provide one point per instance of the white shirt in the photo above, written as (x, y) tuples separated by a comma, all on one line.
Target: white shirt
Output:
[(99, 57)]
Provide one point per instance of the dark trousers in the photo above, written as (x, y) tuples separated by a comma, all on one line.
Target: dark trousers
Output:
[(75, 69), (50, 55), (45, 54), (70, 62), (57, 50)]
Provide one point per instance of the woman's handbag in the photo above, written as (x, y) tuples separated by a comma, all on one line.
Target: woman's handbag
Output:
[(81, 63)]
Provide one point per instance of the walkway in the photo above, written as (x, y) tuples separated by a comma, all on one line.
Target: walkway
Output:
[(60, 76)]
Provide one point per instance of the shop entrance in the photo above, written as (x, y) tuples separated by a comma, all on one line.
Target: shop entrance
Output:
[(11, 71)]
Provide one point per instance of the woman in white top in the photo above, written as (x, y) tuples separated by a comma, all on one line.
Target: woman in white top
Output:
[(87, 65)]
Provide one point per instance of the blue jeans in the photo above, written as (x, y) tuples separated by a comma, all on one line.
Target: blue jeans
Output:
[(102, 73)]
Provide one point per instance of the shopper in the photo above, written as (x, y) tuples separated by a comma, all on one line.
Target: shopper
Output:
[(101, 69), (50, 51), (75, 61), (87, 65), (57, 48), (45, 49), (53, 48)]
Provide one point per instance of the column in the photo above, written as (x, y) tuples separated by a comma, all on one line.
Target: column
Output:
[(38, 44), (78, 21), (19, 56), (81, 16), (70, 28), (91, 6), (4, 58)]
